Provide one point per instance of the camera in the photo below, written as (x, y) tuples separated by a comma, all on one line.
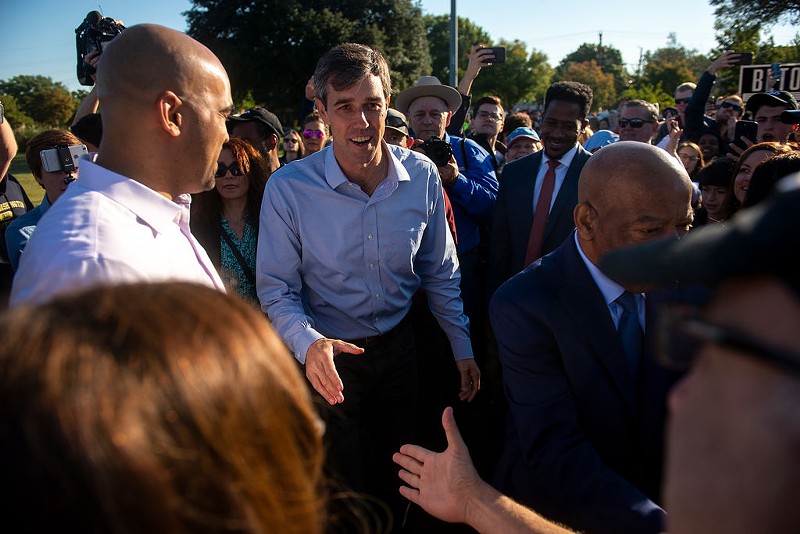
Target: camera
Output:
[(93, 32), (438, 151), (62, 158)]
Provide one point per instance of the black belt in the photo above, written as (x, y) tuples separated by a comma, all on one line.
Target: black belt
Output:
[(374, 342)]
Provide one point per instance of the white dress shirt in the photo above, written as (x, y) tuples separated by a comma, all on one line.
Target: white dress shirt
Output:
[(108, 229)]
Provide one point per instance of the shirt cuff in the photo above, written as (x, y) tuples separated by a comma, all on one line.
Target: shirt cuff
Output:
[(462, 349), (305, 340)]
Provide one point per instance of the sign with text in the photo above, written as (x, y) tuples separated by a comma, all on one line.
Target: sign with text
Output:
[(754, 78)]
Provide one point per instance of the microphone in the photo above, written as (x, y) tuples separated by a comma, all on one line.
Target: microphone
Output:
[(791, 116)]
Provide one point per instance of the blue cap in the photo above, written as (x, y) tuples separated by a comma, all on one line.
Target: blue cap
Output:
[(600, 139), (521, 133)]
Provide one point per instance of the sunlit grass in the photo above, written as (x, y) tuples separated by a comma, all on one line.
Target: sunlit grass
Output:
[(21, 172)]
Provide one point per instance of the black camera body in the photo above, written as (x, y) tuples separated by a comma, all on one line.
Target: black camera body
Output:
[(438, 150), (93, 32)]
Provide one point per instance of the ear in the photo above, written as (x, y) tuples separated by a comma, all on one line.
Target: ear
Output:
[(272, 141), (321, 109), (584, 124), (169, 113), (449, 118), (585, 218)]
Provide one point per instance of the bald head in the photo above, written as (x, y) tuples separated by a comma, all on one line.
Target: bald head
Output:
[(148, 59), (165, 99), (630, 193)]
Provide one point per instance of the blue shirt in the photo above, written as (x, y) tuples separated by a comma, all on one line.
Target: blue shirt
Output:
[(474, 193), (334, 262), (21, 229)]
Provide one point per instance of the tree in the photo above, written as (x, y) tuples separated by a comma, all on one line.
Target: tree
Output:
[(40, 98), (437, 29), (672, 65), (608, 58), (16, 117), (602, 84), (522, 78), (763, 12), (654, 94), (270, 48)]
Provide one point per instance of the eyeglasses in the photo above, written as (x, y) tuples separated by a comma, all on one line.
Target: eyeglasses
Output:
[(681, 100), (222, 170), (681, 333), (687, 157), (728, 105), (308, 134), (633, 123), (494, 117)]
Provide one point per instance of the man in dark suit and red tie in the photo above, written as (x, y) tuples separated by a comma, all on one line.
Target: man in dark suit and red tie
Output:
[(586, 405), (537, 194)]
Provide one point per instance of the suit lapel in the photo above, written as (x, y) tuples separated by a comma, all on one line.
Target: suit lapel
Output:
[(568, 190), (585, 304)]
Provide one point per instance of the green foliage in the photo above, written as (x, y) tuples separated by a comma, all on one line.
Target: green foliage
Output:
[(651, 93), (602, 83), (44, 101), (437, 29), (522, 78), (763, 12), (672, 65), (271, 48), (15, 116), (608, 58)]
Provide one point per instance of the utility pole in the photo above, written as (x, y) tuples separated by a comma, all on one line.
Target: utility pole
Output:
[(453, 44)]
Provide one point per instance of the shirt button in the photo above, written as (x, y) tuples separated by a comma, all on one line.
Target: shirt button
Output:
[(377, 296), (371, 265), (369, 236)]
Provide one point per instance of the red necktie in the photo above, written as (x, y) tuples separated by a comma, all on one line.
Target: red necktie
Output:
[(536, 237)]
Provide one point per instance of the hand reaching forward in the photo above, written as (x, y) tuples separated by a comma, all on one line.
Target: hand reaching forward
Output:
[(321, 371)]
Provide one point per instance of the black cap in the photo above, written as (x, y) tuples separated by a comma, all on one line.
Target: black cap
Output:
[(771, 98), (263, 116), (759, 240)]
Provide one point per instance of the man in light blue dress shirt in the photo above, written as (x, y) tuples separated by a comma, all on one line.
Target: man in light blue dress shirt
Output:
[(347, 236)]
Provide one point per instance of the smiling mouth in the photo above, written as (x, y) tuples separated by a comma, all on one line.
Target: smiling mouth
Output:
[(361, 140)]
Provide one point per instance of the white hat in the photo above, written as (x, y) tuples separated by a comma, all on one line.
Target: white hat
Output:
[(428, 86)]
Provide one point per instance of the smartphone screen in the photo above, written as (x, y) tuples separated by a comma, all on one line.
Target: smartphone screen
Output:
[(748, 129)]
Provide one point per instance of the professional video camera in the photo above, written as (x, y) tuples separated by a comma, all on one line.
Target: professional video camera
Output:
[(93, 32), (438, 150)]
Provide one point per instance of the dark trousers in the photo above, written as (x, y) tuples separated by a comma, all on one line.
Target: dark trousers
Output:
[(378, 415)]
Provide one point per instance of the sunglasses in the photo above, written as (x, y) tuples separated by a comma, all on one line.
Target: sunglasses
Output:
[(222, 170), (308, 134), (680, 333), (633, 123), (681, 100), (728, 105)]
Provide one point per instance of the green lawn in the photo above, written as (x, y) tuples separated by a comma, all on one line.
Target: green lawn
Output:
[(20, 170)]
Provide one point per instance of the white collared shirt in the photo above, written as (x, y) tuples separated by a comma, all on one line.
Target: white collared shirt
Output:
[(107, 228), (561, 174), (610, 289)]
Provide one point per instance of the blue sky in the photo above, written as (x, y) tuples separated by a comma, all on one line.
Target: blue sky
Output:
[(39, 38)]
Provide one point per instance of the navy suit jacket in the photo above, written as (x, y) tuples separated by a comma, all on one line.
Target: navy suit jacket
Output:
[(513, 215), (584, 439)]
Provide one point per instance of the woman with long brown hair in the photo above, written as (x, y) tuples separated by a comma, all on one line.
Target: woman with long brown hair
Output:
[(166, 407), (225, 219)]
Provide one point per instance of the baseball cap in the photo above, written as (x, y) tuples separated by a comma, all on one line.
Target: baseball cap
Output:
[(263, 116), (759, 240), (396, 121), (522, 132), (600, 139), (771, 98)]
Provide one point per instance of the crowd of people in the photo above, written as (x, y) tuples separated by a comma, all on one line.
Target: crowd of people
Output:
[(539, 286)]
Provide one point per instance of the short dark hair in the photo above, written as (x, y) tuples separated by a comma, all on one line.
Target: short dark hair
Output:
[(575, 92), (348, 64), (489, 99), (516, 120), (650, 108)]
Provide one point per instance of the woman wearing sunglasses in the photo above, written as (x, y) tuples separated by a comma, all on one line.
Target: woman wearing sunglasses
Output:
[(292, 147), (225, 219), (315, 133)]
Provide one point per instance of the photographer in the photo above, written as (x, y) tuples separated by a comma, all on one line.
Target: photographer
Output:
[(467, 175), (53, 182)]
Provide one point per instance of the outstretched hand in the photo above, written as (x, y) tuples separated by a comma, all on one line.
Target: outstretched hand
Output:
[(321, 371), (441, 483)]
